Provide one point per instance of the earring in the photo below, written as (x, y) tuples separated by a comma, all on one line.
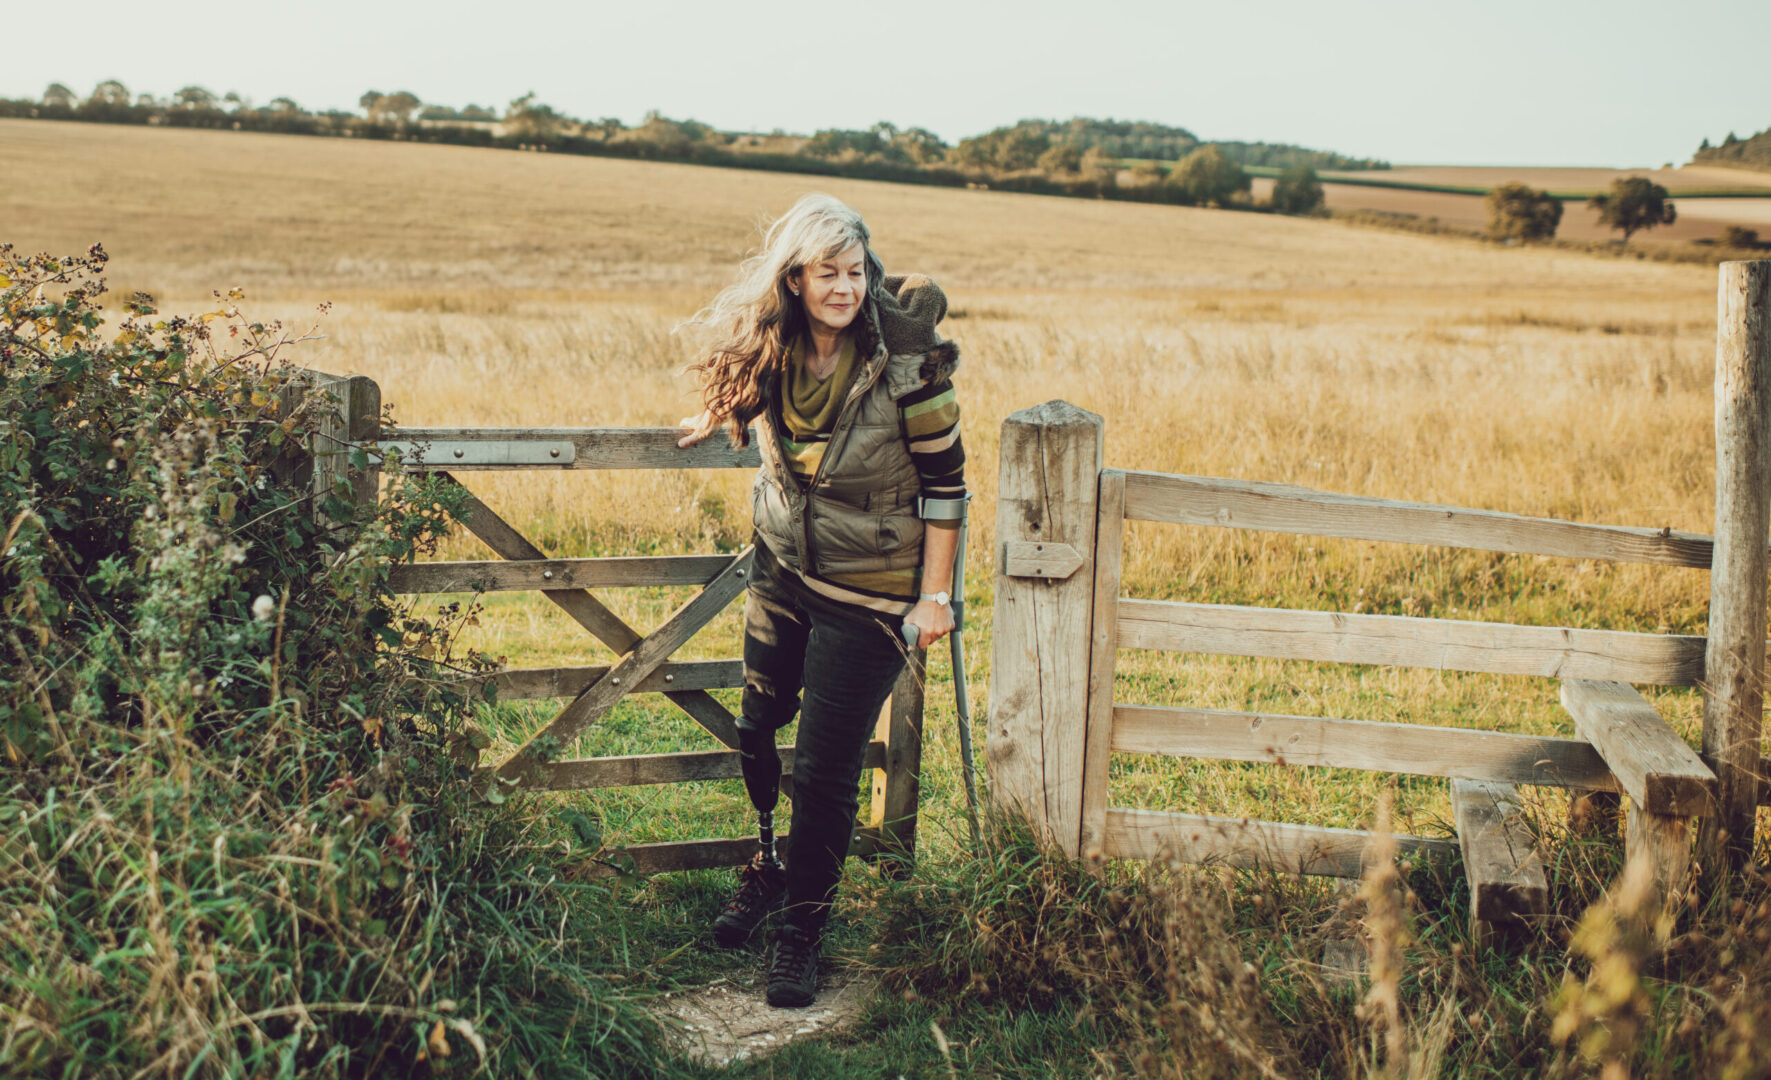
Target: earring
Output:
[(793, 290)]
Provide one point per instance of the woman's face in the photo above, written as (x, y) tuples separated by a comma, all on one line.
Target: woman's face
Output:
[(832, 290)]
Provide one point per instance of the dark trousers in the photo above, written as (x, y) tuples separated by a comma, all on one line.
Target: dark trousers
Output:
[(834, 665)]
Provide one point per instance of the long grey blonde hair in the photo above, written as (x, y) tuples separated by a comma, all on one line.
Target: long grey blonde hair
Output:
[(756, 318)]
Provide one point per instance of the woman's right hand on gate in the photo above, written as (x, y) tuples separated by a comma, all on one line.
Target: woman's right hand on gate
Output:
[(700, 427)]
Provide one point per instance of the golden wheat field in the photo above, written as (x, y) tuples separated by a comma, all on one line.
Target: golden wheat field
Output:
[(495, 288)]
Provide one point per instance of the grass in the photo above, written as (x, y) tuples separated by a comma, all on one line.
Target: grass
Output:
[(499, 289)]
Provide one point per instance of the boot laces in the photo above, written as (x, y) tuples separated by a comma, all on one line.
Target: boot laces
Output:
[(792, 948), (756, 890)]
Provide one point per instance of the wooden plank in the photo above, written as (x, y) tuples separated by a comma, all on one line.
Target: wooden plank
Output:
[(1507, 883), (501, 575), (1050, 469), (1657, 770), (584, 608), (638, 769), (1734, 693), (1415, 749), (1345, 960), (897, 780), (589, 612), (568, 682), (672, 855), (1405, 641), (1103, 659), (596, 448), (1248, 844), (636, 665), (342, 424), (1034, 559), (714, 718), (1244, 504), (1663, 843)]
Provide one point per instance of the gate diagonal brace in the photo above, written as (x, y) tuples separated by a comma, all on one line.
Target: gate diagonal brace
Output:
[(651, 651), (590, 613)]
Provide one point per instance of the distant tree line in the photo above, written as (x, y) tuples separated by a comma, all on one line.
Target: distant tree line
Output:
[(1024, 144), (1136, 161), (1751, 153)]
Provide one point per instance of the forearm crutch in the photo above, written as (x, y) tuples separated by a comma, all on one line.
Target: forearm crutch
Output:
[(955, 510)]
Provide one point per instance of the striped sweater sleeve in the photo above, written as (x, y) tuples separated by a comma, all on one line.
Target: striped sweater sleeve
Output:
[(931, 424)]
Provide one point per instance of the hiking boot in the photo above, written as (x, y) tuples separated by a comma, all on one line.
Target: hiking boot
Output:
[(793, 968), (761, 885)]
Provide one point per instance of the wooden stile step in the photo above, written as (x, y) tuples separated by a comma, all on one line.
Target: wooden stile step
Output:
[(1507, 884), (1656, 769)]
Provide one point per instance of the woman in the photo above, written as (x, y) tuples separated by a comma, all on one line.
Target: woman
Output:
[(850, 388)]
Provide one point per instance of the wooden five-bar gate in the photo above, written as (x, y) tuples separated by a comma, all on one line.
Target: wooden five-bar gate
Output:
[(1060, 624), (641, 662)]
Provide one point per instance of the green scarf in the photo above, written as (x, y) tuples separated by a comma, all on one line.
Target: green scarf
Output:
[(810, 404)]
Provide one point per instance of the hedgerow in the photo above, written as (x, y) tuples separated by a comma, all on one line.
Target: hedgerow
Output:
[(237, 840)]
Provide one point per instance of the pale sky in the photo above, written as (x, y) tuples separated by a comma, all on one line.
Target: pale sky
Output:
[(1521, 82)]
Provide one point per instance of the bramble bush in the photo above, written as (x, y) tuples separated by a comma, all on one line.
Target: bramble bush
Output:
[(237, 839)]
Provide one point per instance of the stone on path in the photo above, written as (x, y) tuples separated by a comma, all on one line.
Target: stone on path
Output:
[(729, 1020)]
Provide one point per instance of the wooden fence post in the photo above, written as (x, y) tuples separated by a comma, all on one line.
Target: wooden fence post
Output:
[(1734, 657), (1046, 495), (897, 783), (355, 418)]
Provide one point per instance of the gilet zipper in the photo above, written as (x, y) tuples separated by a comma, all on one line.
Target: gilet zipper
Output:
[(840, 430)]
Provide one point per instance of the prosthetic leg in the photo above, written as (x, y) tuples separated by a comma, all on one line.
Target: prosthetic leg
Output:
[(763, 882), (761, 766)]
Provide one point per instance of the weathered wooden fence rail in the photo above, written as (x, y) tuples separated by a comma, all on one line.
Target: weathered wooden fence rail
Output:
[(351, 445), (1061, 622)]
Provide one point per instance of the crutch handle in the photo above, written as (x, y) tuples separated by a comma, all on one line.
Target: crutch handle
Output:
[(912, 634)]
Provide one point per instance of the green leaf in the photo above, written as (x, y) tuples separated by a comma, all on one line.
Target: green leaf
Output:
[(583, 827)]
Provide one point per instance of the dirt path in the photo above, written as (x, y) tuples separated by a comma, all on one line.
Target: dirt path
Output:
[(728, 1020)]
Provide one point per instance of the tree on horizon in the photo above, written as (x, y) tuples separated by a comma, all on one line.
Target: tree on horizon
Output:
[(1298, 190), (110, 92), (1207, 175), (1634, 203), (194, 98), (1521, 212)]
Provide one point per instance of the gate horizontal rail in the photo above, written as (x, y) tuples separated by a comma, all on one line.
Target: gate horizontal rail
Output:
[(483, 449), (502, 575)]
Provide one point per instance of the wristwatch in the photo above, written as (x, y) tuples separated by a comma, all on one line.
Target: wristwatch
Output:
[(938, 597)]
